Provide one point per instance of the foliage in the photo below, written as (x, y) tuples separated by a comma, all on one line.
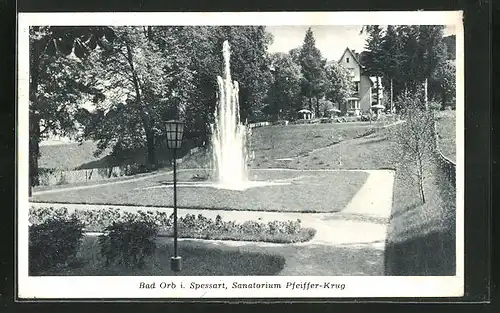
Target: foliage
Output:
[(285, 89), (151, 75), (405, 55), (451, 46), (416, 140), (374, 56), (58, 84), (189, 226), (434, 106), (339, 84), (313, 70), (446, 79), (128, 243), (54, 242), (129, 115)]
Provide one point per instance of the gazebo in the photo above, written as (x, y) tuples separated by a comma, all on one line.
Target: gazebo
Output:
[(306, 114), (334, 111), (377, 108)]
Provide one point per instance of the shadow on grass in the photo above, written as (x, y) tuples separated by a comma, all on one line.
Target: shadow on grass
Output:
[(373, 140), (197, 261), (415, 251), (432, 254)]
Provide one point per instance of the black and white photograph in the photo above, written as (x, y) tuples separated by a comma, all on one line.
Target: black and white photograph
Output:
[(224, 155)]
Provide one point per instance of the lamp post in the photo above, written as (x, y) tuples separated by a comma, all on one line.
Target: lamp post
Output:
[(175, 131)]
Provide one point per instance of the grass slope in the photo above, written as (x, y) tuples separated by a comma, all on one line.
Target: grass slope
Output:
[(277, 142), (446, 131)]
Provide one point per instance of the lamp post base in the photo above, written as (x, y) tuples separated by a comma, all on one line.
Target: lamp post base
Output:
[(176, 263)]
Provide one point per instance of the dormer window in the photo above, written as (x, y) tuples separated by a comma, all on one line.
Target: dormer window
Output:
[(347, 59)]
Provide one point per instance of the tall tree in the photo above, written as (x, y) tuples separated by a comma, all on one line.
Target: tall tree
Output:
[(374, 59), (51, 72), (340, 84), (445, 76), (285, 90), (391, 58), (136, 77), (313, 70)]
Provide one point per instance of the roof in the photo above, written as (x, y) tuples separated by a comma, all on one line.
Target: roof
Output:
[(353, 55)]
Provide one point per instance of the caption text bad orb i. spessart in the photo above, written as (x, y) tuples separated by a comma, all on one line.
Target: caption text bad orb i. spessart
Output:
[(291, 285)]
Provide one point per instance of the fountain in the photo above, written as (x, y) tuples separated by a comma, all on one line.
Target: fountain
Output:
[(228, 142), (228, 133)]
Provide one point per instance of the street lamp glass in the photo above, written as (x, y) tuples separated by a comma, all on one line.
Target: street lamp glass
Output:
[(175, 131)]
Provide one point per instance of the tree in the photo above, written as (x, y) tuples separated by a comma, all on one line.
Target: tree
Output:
[(137, 78), (405, 55), (56, 81), (446, 79), (313, 65), (374, 60), (391, 58), (340, 84), (451, 46), (415, 139), (163, 78), (250, 65), (285, 89)]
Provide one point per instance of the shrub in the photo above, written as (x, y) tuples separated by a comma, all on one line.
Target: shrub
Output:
[(128, 243), (434, 106), (189, 225), (54, 243), (415, 139)]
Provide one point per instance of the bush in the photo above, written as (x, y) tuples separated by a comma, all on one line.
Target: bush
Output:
[(189, 226), (128, 243), (54, 243), (434, 106)]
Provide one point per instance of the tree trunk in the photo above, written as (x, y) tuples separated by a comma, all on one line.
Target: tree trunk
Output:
[(34, 150), (443, 100), (421, 178), (144, 116), (425, 95), (34, 120), (151, 149), (392, 93)]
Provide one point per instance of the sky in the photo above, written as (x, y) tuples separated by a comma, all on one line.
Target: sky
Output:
[(331, 40)]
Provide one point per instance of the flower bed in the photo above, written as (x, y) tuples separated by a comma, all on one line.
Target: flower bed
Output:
[(189, 226)]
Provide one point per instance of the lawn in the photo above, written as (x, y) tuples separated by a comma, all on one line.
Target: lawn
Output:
[(204, 258), (198, 260), (269, 144), (71, 156), (297, 191), (446, 131), (67, 156), (373, 151)]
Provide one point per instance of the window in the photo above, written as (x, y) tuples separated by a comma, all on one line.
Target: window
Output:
[(353, 104), (351, 72), (356, 86), (347, 60)]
